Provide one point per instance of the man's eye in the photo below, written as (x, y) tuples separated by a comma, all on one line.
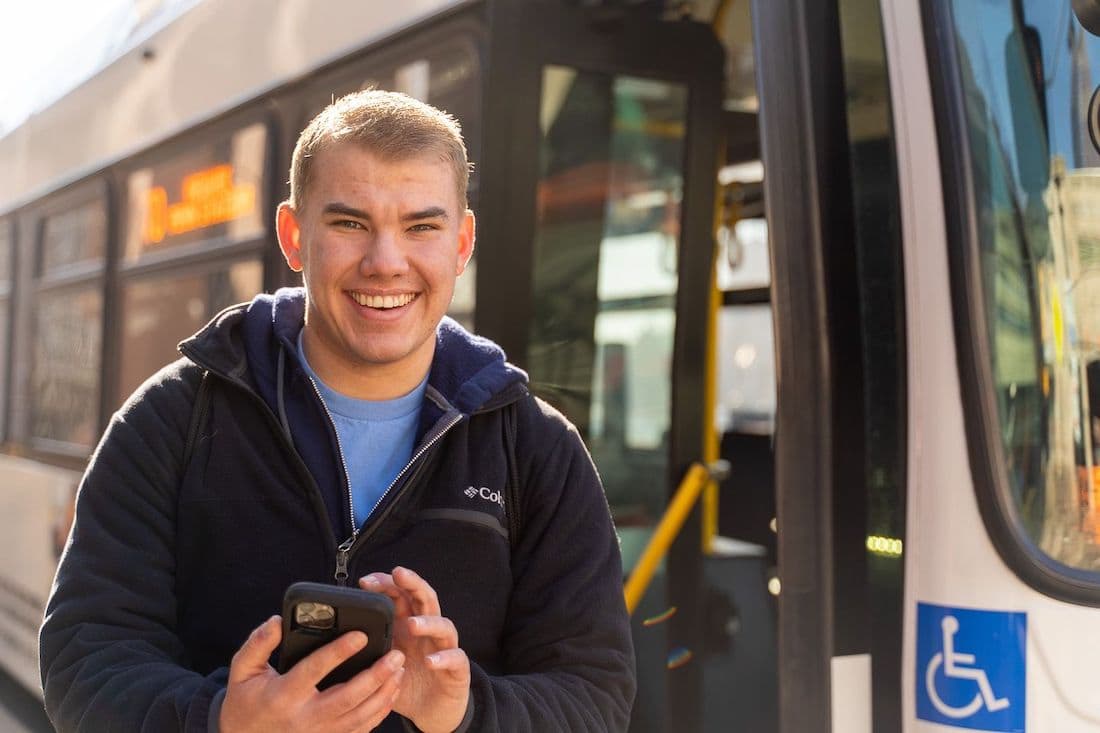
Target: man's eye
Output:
[(348, 224), (423, 228)]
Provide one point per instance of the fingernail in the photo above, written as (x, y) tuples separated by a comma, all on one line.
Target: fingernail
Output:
[(417, 622), (359, 639), (396, 660), (370, 580), (398, 675)]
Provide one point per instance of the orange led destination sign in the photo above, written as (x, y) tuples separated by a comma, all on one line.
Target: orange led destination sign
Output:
[(209, 197)]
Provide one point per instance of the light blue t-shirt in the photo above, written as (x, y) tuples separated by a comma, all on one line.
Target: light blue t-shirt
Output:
[(376, 437)]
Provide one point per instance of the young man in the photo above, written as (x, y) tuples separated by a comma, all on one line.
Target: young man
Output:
[(344, 430)]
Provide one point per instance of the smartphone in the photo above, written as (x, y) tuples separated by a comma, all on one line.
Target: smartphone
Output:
[(315, 614)]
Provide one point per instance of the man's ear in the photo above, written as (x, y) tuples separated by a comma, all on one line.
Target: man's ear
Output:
[(466, 237), (289, 233)]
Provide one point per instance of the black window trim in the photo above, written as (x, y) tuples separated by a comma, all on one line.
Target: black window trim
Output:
[(987, 466)]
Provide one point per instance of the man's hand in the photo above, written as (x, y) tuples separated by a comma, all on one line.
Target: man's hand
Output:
[(436, 688), (260, 699)]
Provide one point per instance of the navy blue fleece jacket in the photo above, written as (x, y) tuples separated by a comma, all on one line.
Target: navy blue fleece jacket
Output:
[(190, 526)]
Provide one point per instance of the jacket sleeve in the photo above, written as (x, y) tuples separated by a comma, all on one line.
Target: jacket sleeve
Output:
[(109, 653), (566, 645)]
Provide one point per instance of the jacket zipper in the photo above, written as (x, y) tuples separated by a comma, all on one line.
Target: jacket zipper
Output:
[(343, 461), (342, 560), (344, 549), (343, 552)]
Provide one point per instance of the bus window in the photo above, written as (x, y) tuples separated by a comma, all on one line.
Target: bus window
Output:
[(160, 311), (743, 245), (746, 375), (67, 327), (746, 381), (211, 192), (605, 274), (1027, 72), (195, 230), (74, 237)]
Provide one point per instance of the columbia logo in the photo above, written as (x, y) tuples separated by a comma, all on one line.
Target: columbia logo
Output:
[(484, 493)]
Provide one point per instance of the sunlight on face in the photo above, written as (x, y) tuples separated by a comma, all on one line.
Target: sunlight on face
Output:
[(379, 243)]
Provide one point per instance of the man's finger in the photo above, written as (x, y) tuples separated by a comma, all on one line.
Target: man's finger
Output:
[(453, 662), (425, 600), (315, 667), (340, 699), (372, 710), (251, 659), (383, 583), (437, 628)]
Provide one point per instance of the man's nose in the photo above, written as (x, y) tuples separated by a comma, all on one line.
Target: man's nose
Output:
[(383, 256)]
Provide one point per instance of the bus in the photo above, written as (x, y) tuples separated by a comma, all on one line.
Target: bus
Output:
[(818, 281)]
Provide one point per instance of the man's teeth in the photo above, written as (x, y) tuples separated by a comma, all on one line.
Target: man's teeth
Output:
[(383, 301)]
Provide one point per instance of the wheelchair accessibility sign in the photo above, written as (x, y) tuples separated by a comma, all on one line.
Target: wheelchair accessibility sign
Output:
[(971, 668)]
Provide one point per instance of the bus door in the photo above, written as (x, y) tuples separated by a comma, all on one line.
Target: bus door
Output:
[(836, 281), (595, 246)]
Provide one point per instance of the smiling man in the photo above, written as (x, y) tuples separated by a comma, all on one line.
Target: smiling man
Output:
[(345, 430)]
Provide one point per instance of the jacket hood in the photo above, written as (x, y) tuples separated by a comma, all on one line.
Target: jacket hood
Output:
[(243, 342)]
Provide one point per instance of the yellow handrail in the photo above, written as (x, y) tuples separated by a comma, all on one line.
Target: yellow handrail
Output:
[(697, 477)]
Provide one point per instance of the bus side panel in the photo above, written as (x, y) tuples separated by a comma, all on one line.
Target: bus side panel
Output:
[(36, 501)]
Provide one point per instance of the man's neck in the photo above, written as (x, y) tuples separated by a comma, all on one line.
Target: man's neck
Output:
[(368, 381)]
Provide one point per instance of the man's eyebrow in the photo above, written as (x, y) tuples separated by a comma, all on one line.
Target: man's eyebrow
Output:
[(338, 208), (432, 212)]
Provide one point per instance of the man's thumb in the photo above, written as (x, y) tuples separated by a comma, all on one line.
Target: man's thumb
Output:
[(251, 659)]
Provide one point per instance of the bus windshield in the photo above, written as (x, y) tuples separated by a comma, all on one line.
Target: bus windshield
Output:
[(1028, 72)]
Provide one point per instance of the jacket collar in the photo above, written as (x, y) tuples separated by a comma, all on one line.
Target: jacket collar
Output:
[(243, 342)]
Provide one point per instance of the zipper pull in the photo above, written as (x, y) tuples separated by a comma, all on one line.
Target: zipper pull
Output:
[(342, 560)]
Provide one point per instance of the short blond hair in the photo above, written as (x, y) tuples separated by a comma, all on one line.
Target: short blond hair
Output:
[(391, 125)]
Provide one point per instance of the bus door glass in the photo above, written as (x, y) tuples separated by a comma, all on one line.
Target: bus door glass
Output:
[(596, 240), (601, 339), (605, 275)]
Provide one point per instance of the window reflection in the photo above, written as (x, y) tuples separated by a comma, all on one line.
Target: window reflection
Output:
[(73, 237), (746, 384), (162, 311), (1028, 76), (68, 328), (605, 278), (65, 379)]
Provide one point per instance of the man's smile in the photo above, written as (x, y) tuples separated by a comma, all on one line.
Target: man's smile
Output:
[(382, 302)]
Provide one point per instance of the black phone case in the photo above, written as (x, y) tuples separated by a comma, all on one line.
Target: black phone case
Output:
[(355, 609)]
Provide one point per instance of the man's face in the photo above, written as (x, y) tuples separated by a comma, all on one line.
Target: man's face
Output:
[(379, 243)]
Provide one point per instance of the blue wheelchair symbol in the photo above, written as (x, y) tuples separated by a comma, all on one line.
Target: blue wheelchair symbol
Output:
[(971, 668)]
